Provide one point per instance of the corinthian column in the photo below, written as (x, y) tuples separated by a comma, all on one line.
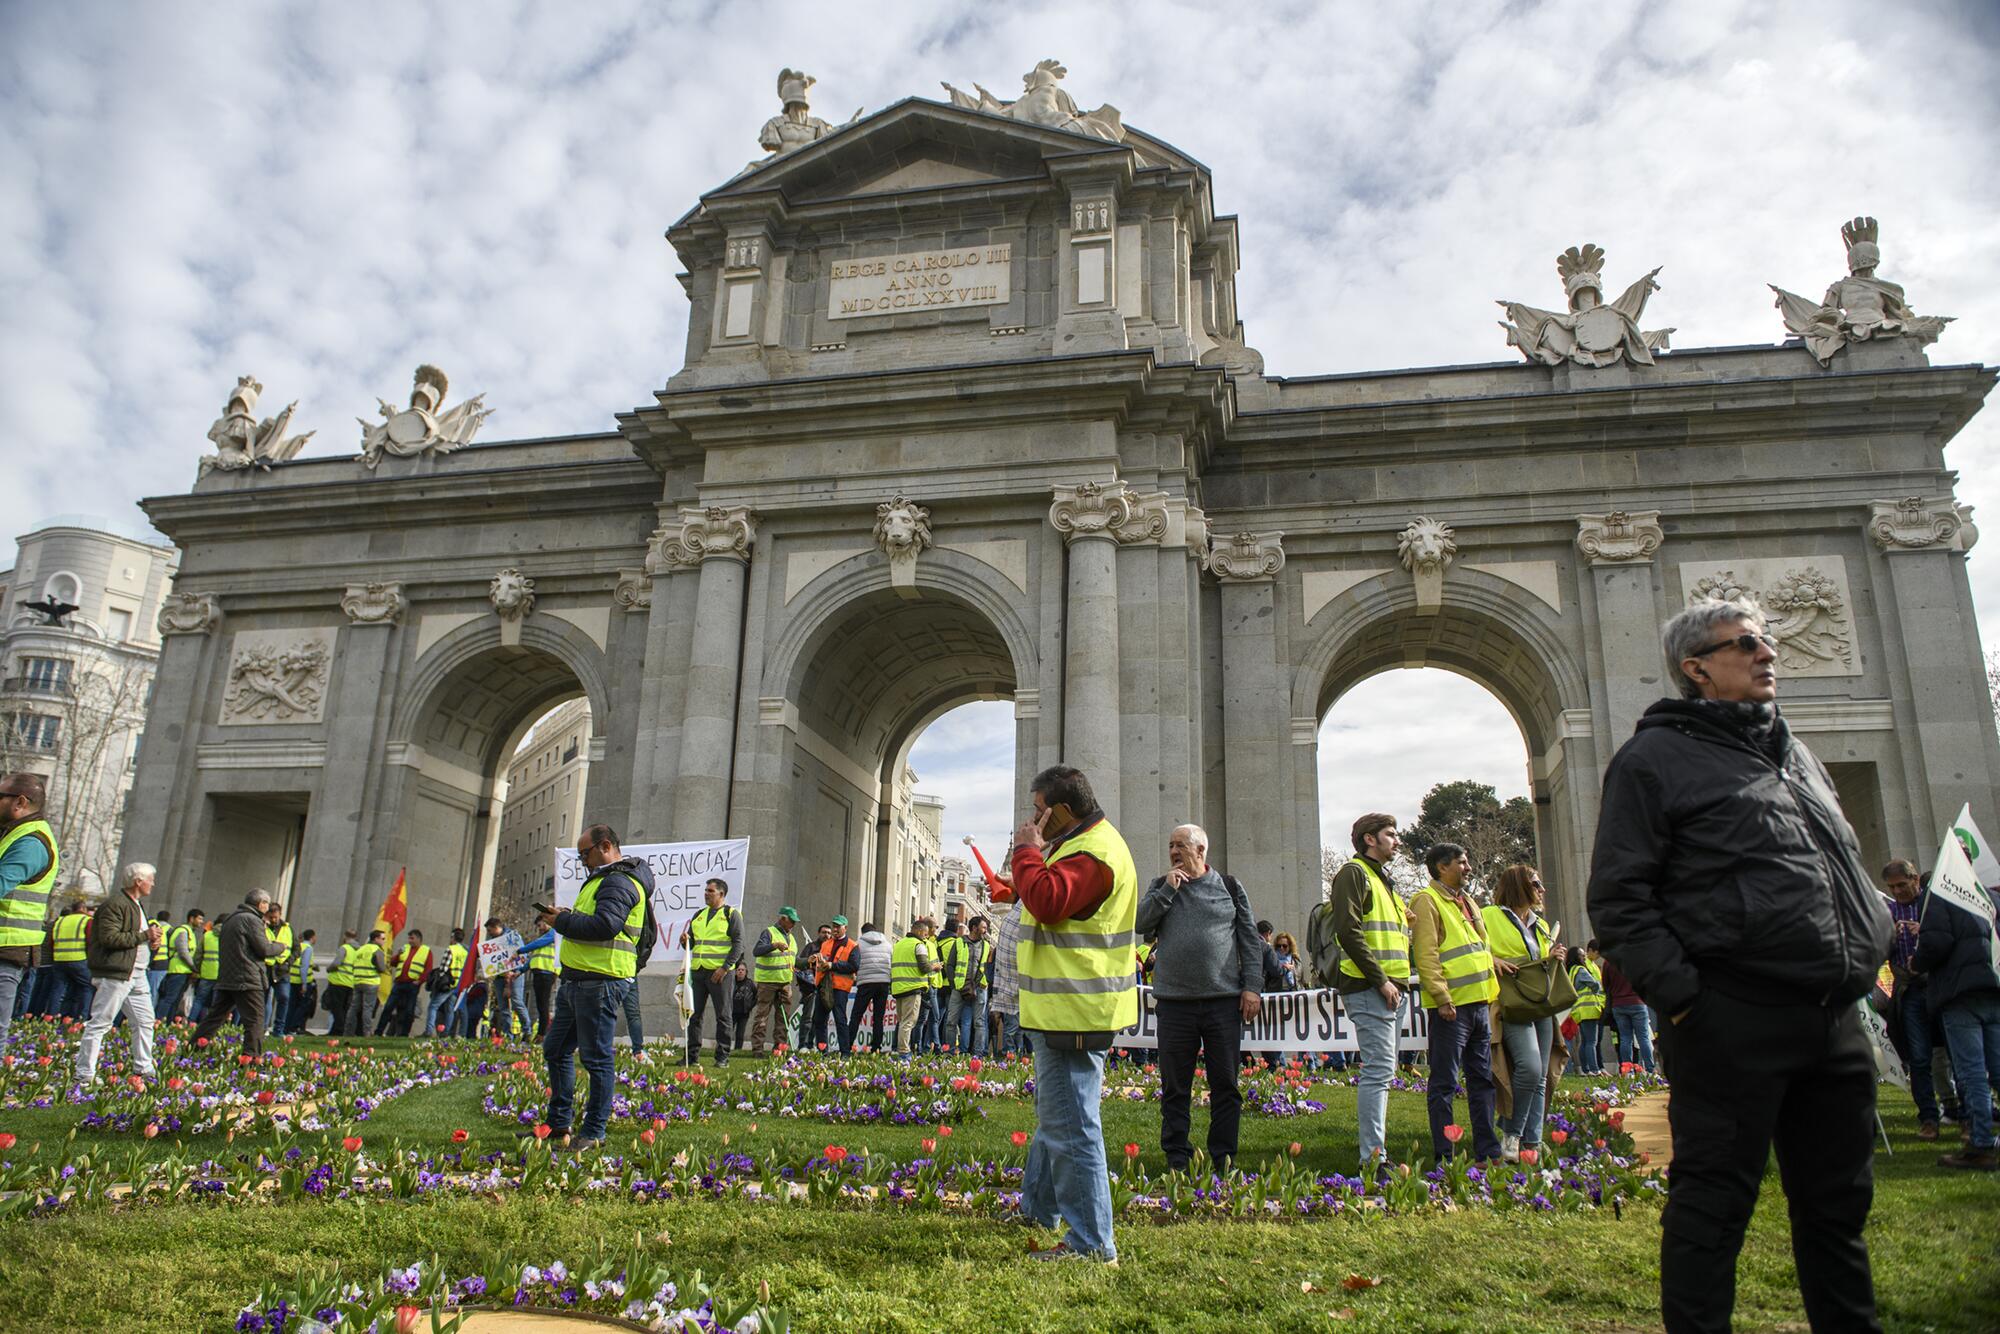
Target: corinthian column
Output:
[(1094, 518), (719, 541)]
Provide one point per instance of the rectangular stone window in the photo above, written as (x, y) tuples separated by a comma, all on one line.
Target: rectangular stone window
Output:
[(38, 731), (118, 624), (50, 674)]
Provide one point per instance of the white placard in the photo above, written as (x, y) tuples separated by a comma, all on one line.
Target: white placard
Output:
[(925, 280), (1299, 1021), (680, 870), (498, 953)]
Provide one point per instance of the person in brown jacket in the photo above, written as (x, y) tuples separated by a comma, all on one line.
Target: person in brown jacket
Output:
[(117, 949)]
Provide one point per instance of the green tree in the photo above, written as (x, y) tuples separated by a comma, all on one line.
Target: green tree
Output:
[(1494, 834)]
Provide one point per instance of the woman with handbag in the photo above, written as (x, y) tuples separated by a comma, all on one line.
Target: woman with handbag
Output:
[(1524, 953)]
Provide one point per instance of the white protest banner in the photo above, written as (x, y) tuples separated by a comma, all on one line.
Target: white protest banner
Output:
[(679, 872), (1298, 1021), (498, 953), (1955, 881), (1888, 1066), (1985, 866)]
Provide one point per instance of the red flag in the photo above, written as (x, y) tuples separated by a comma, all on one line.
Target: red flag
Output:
[(395, 909)]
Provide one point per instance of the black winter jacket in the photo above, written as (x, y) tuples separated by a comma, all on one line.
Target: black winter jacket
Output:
[(1718, 866), (246, 946), (1954, 953)]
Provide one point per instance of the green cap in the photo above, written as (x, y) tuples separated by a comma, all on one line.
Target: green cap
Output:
[(790, 912), (840, 921)]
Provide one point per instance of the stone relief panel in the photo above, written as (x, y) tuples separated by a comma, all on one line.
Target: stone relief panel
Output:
[(277, 676), (1805, 599), (189, 614), (373, 604)]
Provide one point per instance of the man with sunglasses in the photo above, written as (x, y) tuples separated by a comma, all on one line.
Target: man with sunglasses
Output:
[(29, 864), (1727, 885)]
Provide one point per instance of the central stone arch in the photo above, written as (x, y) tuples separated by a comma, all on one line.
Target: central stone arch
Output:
[(1496, 634), (856, 674)]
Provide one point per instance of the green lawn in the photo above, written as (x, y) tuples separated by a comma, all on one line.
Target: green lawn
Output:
[(186, 1266)]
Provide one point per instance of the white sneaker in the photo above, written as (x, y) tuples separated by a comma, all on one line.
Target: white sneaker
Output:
[(1510, 1148)]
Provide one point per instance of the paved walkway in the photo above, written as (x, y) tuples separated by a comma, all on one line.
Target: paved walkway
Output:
[(1646, 1123)]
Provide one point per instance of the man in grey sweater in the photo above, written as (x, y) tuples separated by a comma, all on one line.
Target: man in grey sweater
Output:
[(1207, 975)]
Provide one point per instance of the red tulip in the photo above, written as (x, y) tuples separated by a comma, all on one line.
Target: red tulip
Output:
[(152, 1129), (1019, 1137), (406, 1319), (659, 1123), (1295, 1149), (1531, 1156), (265, 1097), (945, 1131), (1454, 1133), (542, 1130), (648, 1135), (136, 1082), (1598, 1142), (835, 1153), (1558, 1137), (1131, 1151), (6, 1141), (927, 1144), (352, 1144), (975, 1065), (460, 1136)]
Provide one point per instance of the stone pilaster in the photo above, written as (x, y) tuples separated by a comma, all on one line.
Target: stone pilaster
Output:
[(1094, 518), (1256, 715), (1620, 547), (720, 541)]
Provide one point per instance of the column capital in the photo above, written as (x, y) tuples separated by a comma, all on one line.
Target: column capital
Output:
[(1916, 524), (701, 533), (634, 591), (1110, 510), (1247, 557), (189, 614), (1621, 537), (373, 604)]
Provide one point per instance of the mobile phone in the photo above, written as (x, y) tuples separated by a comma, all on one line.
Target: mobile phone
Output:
[(544, 909)]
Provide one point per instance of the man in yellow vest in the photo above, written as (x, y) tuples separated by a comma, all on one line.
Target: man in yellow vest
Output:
[(29, 865), (714, 940), (600, 952), (1455, 965), (208, 968), (366, 963), (339, 985), (1079, 893), (911, 968), (1586, 974), (773, 958), (407, 971), (441, 1012), (278, 998), (73, 988), (183, 965), (1370, 928)]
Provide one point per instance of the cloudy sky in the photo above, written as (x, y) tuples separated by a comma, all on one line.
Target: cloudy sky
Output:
[(326, 195)]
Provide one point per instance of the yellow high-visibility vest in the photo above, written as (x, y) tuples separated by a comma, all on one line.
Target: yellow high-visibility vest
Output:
[(619, 956), (905, 973), (1076, 974), (1463, 954), (775, 968), (69, 946), (25, 909), (1385, 929), (708, 938)]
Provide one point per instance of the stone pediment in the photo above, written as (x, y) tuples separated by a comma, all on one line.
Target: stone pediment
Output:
[(919, 144)]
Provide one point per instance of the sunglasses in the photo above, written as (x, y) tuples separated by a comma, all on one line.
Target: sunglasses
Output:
[(1747, 643)]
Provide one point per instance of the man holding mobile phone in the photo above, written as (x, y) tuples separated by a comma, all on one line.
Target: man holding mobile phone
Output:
[(600, 951)]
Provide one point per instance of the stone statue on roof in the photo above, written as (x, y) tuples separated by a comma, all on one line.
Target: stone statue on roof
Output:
[(1590, 333), (241, 441), (1043, 102), (1859, 306), (795, 126), (422, 428)]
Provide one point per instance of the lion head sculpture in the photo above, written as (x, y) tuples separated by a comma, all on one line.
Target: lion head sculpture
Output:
[(1427, 545), (901, 528), (512, 594)]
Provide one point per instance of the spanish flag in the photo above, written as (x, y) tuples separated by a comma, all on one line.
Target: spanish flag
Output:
[(389, 918)]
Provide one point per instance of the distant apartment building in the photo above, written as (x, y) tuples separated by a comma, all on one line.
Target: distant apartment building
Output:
[(544, 809), (76, 674)]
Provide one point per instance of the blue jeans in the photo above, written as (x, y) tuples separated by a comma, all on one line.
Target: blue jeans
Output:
[(1589, 1060), (1920, 1035), (73, 989), (443, 1009), (628, 997), (1375, 1023), (204, 991), (1528, 1054), (929, 1038), (965, 1020), (295, 1022), (586, 1017), (1635, 1035), (1462, 1042), (1972, 1035), (155, 976), (1066, 1175), (172, 988), (14, 986), (278, 1008)]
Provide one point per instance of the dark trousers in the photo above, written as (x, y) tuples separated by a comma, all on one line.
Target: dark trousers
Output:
[(73, 990), (172, 989), (401, 1011), (1462, 1043), (830, 1020), (719, 997), (586, 1017), (1212, 1031), (864, 995), (247, 1006), (542, 994), (336, 1007), (1913, 1031), (1748, 1078)]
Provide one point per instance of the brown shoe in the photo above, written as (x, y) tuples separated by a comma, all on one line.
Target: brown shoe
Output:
[(1972, 1160), (1927, 1130)]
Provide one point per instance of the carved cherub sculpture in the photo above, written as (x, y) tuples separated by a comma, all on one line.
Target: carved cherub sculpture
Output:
[(1043, 102), (241, 441), (1859, 306), (1590, 333), (421, 428)]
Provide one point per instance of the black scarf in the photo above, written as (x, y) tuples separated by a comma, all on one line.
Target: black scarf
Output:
[(1756, 721)]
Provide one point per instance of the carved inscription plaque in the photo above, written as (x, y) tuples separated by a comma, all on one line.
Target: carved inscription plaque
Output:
[(926, 280)]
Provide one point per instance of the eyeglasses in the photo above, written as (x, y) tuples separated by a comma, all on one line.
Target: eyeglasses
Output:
[(1747, 643)]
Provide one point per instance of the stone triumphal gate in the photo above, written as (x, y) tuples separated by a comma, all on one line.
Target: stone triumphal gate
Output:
[(967, 413)]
